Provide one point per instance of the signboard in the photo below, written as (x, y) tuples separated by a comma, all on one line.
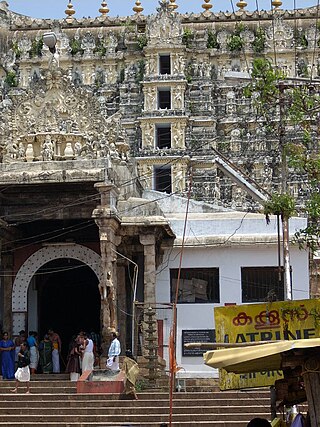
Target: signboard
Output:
[(264, 322), (196, 335)]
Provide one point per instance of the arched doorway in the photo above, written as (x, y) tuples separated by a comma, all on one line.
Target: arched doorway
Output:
[(59, 268), (68, 299)]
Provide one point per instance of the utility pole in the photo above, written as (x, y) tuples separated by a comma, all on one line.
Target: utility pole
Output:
[(284, 188)]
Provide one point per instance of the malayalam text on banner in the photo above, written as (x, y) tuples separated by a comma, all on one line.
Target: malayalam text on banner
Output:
[(264, 322)]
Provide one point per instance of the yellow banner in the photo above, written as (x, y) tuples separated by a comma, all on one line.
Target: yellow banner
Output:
[(264, 322)]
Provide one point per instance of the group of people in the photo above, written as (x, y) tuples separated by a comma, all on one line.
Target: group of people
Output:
[(84, 352), (25, 356), (44, 355)]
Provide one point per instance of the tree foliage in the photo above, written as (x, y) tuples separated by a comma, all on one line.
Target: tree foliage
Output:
[(289, 109)]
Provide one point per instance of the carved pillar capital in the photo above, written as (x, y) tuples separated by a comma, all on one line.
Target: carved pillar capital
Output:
[(147, 239)]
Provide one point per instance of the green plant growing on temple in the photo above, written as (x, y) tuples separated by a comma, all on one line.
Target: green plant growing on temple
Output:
[(11, 79), (142, 41), (188, 37), (16, 49), (100, 48), (140, 71), (75, 47), (236, 42), (212, 42), (36, 48), (259, 42), (300, 39)]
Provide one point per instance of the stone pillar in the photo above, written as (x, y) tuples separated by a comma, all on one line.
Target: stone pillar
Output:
[(148, 241), (108, 222), (122, 302), (7, 282)]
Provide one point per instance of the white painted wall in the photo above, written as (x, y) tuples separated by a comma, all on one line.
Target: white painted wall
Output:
[(229, 259)]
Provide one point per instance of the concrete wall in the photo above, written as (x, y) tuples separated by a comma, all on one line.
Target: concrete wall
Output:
[(229, 259)]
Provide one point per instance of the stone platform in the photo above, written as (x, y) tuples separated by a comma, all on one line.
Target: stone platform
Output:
[(102, 381)]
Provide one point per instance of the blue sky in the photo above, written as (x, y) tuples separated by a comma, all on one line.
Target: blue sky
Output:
[(56, 8)]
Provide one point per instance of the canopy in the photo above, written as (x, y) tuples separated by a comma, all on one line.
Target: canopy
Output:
[(257, 358)]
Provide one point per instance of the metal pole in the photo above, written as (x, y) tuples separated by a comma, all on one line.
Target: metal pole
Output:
[(284, 188)]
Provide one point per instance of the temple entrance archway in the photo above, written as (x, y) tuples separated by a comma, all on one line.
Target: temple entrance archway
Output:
[(68, 300), (57, 287)]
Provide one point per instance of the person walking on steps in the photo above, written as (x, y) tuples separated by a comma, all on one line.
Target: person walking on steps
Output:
[(22, 374)]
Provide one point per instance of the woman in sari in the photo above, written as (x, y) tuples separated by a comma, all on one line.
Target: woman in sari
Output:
[(131, 370), (73, 364), (7, 357), (45, 353)]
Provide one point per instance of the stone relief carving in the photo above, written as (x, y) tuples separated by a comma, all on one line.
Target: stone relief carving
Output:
[(177, 98), (178, 178), (145, 175), (222, 39), (24, 45), (88, 44), (165, 27), (150, 98), (178, 135), (311, 36), (147, 135), (178, 62), (55, 120), (279, 34)]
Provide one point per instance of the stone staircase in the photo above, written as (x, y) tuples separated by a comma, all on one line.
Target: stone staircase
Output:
[(53, 402)]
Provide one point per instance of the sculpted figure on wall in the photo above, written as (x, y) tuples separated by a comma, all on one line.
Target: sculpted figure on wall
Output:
[(152, 64), (150, 99), (178, 136), (178, 64), (107, 294), (145, 176), (148, 135), (177, 97), (178, 179), (47, 149)]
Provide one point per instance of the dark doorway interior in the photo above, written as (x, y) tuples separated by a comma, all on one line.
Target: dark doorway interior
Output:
[(68, 300)]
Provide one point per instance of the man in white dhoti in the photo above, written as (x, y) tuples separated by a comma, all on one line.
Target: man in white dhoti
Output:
[(56, 350), (114, 353)]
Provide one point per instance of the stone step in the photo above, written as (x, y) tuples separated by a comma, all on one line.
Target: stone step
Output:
[(152, 417), (56, 403), (216, 403), (38, 394), (127, 410), (223, 423), (42, 390)]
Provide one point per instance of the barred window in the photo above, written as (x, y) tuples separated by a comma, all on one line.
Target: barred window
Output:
[(261, 283), (164, 64), (162, 179), (197, 285)]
